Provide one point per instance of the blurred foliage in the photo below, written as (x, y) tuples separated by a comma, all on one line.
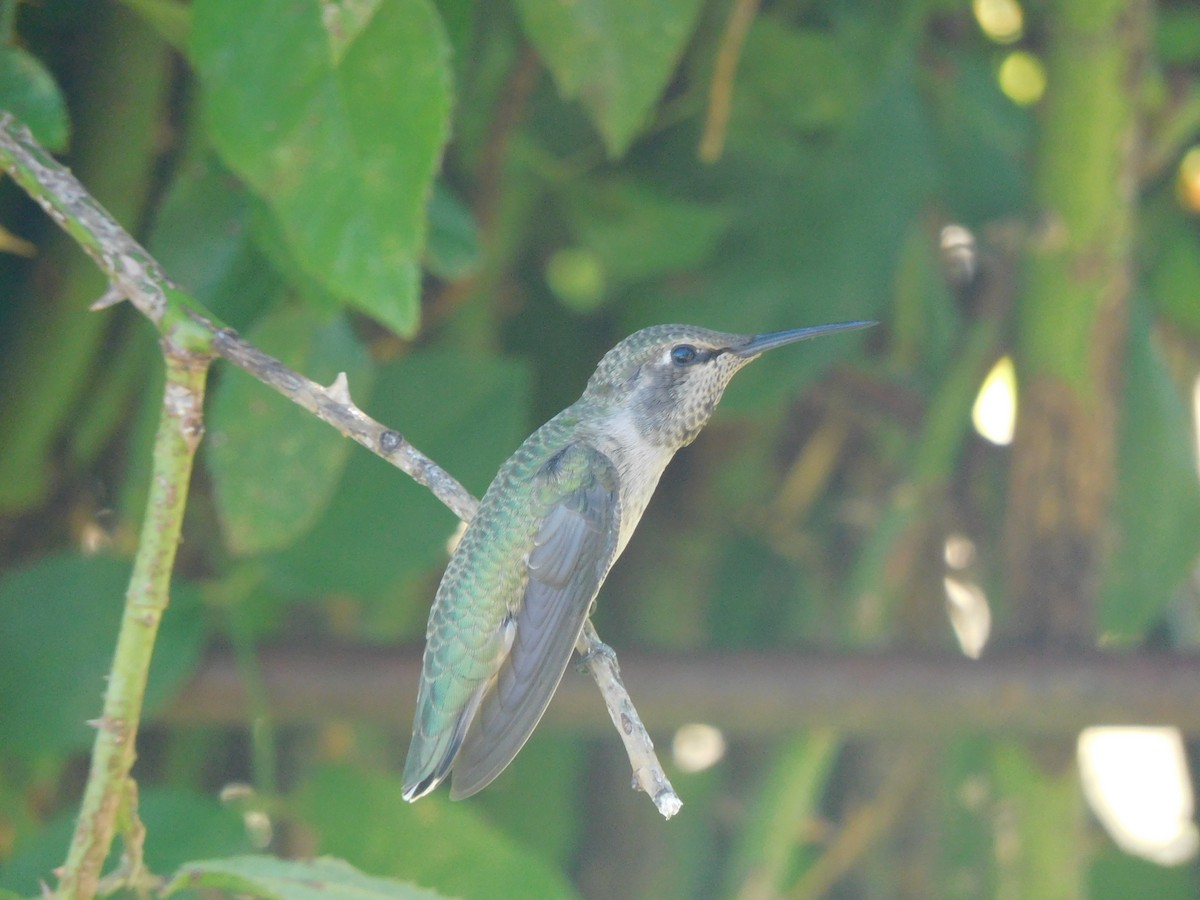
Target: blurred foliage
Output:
[(462, 205)]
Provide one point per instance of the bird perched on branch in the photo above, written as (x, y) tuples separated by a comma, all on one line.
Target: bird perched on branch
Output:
[(522, 580)]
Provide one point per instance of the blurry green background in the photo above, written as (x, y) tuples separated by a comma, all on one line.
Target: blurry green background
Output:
[(462, 205)]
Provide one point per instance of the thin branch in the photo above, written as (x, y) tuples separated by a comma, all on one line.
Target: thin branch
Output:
[(191, 332), (648, 774), (333, 406), (133, 273)]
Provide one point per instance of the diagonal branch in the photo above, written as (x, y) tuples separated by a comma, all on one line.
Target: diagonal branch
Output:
[(185, 325)]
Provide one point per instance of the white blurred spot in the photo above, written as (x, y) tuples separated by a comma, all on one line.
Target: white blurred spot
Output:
[(970, 615), (958, 253), (959, 551), (697, 747), (1136, 782), (995, 412), (93, 538), (258, 828), (236, 792)]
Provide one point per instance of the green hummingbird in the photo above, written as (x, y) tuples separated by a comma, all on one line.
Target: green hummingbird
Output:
[(522, 581)]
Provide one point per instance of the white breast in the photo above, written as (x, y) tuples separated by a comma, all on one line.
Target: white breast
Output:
[(639, 464)]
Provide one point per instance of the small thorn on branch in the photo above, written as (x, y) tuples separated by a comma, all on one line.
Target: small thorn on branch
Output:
[(109, 298), (340, 389)]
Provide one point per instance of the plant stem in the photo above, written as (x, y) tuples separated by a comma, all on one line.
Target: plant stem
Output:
[(146, 600)]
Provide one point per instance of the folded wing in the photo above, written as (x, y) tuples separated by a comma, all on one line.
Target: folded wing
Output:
[(572, 552)]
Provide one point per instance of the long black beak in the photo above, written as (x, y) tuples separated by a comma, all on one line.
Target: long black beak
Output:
[(760, 343)]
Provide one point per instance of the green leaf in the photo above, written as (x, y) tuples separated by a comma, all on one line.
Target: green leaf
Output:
[(338, 122), (282, 879), (274, 465), (29, 91), (638, 232), (1158, 494), (363, 818), (203, 237), (61, 617), (614, 56), (180, 825), (453, 250)]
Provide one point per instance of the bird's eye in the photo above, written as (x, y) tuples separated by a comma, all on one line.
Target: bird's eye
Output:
[(684, 354)]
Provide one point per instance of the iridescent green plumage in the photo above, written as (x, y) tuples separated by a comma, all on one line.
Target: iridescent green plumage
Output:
[(523, 578)]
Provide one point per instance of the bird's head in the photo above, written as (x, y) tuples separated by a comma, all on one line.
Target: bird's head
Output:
[(671, 377)]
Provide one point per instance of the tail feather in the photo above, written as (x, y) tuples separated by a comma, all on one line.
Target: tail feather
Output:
[(431, 756)]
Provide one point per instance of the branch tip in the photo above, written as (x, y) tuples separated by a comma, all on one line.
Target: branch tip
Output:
[(668, 803)]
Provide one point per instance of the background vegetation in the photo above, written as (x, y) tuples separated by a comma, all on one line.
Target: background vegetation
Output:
[(463, 205)]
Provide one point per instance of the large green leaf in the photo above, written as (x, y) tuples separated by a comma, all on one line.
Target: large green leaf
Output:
[(275, 466), (468, 412), (61, 617), (336, 115), (284, 879), (614, 56), (29, 92), (1158, 495), (363, 818)]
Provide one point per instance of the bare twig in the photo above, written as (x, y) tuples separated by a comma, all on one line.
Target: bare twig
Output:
[(191, 333), (648, 775)]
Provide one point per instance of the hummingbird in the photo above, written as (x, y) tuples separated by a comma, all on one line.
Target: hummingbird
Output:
[(523, 579)]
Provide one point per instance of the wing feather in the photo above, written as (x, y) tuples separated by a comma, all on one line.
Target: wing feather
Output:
[(572, 552)]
